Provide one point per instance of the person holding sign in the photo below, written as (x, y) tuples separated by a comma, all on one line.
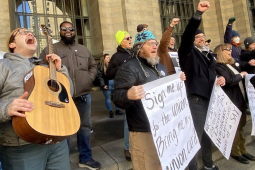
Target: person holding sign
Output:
[(128, 92), (199, 67), (166, 45), (231, 70)]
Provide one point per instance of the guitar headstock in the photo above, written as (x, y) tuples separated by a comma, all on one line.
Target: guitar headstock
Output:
[(46, 31)]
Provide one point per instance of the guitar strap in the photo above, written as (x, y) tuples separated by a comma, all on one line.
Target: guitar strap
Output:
[(34, 60)]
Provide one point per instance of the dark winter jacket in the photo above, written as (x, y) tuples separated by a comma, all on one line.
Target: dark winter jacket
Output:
[(200, 72), (130, 74), (118, 58), (163, 50), (231, 87), (103, 81), (247, 56), (81, 65), (236, 51)]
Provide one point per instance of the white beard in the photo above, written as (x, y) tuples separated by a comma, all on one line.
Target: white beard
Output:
[(153, 61)]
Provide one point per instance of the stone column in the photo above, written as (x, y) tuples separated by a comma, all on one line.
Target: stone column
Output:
[(124, 15), (4, 24)]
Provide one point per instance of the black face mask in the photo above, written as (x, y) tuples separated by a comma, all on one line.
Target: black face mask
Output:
[(67, 40)]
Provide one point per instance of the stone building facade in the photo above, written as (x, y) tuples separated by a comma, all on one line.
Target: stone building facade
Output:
[(106, 17)]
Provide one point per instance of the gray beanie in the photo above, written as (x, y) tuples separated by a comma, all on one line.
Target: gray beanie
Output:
[(248, 41)]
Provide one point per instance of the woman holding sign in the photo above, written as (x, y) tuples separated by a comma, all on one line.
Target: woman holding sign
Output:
[(234, 75)]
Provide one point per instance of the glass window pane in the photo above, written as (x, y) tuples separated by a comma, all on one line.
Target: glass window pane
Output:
[(173, 8), (32, 13)]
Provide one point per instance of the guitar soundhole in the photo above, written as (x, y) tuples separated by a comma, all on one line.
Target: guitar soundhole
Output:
[(53, 85)]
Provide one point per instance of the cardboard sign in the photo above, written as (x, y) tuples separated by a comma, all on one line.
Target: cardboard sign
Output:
[(171, 123)]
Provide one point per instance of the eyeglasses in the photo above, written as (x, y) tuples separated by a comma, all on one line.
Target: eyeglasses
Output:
[(128, 38), (200, 36), (69, 28), (151, 44), (22, 32), (228, 49)]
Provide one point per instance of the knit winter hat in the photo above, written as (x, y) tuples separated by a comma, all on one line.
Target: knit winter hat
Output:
[(248, 41), (199, 32), (120, 35), (235, 33), (141, 38)]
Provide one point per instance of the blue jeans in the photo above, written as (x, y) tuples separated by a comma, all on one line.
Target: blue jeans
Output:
[(126, 134), (83, 134), (107, 96), (198, 108), (36, 157)]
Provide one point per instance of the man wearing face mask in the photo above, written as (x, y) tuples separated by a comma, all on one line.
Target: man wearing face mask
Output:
[(233, 37), (82, 69)]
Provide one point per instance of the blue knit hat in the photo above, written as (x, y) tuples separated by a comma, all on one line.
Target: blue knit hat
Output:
[(235, 33), (141, 38)]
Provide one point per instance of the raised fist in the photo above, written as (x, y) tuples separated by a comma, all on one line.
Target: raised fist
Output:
[(231, 20), (174, 22), (203, 6)]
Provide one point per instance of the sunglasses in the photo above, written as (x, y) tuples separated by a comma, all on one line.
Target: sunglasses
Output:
[(128, 38), (69, 28), (22, 32), (228, 49)]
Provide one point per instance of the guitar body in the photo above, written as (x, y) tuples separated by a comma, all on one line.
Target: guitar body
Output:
[(55, 116)]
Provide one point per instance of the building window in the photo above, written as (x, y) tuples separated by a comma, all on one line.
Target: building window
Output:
[(31, 14), (251, 11), (183, 9)]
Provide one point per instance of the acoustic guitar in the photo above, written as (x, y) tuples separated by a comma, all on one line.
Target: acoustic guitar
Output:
[(55, 116)]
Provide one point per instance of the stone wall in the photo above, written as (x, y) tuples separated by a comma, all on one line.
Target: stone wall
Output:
[(216, 19), (4, 24)]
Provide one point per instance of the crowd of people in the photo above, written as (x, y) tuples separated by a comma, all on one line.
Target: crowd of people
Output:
[(120, 78)]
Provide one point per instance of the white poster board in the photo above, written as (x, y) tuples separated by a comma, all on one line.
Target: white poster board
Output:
[(171, 123), (222, 120), (251, 97), (175, 59)]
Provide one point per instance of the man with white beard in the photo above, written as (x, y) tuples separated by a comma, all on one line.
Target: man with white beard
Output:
[(128, 92)]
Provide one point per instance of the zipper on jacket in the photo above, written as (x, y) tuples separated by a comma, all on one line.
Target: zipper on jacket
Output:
[(72, 69)]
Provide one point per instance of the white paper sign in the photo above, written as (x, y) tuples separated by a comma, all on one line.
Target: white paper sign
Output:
[(222, 120), (175, 59), (251, 97), (171, 123)]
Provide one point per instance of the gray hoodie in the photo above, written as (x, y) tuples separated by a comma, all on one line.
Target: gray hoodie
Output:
[(13, 68)]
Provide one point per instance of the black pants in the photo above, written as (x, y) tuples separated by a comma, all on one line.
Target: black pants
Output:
[(198, 107)]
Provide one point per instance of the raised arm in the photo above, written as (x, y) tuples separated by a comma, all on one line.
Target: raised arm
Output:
[(188, 36), (228, 32), (163, 47)]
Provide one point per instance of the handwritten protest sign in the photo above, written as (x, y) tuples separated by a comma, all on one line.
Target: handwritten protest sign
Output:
[(175, 59), (171, 123), (222, 120), (251, 97)]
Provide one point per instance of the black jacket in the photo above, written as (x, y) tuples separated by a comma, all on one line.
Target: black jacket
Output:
[(116, 60), (247, 56), (200, 73), (102, 80), (130, 74), (231, 87)]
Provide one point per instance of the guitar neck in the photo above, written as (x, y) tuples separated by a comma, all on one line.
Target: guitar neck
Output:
[(53, 74)]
